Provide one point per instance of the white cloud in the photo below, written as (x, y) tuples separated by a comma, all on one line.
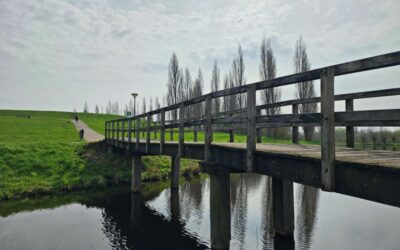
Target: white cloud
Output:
[(100, 50)]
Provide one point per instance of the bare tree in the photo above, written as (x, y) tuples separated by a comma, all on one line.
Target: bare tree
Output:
[(237, 76), (96, 109), (144, 105), (268, 71), (304, 89), (225, 106), (198, 91), (187, 90), (174, 80), (85, 108), (215, 87), (157, 106)]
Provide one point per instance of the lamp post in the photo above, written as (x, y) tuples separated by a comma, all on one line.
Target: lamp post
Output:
[(134, 103)]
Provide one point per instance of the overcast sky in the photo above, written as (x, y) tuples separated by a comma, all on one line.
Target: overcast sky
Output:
[(56, 54)]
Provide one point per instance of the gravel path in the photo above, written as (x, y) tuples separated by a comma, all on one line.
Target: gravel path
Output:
[(90, 135)]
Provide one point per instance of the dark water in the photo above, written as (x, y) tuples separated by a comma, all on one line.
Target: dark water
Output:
[(161, 219)]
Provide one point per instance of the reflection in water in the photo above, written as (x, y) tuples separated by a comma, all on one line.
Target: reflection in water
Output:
[(307, 198), (165, 219), (266, 219)]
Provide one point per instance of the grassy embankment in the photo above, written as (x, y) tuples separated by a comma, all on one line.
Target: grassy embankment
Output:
[(43, 154)]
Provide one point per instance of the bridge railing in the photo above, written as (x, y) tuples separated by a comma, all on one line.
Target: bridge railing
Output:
[(251, 119)]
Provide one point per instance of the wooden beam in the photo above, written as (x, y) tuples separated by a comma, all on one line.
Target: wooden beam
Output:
[(181, 138), (295, 129), (137, 134), (136, 173), (327, 130), (208, 129), (251, 127), (162, 132), (148, 120), (259, 130), (350, 129)]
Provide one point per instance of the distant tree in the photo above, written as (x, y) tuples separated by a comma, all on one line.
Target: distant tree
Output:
[(144, 106), (85, 108), (196, 92), (225, 106), (268, 71), (304, 89), (174, 80), (187, 90), (237, 76), (74, 110), (215, 87), (96, 109), (157, 106)]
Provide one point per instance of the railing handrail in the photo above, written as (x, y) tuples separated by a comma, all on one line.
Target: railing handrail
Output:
[(376, 62)]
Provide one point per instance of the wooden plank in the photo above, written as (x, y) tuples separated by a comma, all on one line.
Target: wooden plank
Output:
[(251, 127), (295, 129), (208, 129), (129, 133), (162, 132), (148, 124), (122, 132), (350, 129), (231, 134), (113, 133), (117, 141), (181, 138), (137, 134), (259, 130), (327, 130)]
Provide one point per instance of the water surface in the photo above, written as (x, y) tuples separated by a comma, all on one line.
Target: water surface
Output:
[(161, 219)]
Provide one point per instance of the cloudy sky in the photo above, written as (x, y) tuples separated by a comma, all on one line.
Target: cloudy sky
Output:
[(56, 54)]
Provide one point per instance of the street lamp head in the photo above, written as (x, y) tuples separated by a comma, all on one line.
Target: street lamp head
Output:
[(134, 95)]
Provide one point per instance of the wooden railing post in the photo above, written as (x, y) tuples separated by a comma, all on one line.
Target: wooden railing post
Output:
[(162, 132), (231, 135), (105, 131), (295, 129), (350, 129), (181, 138), (327, 130), (148, 119), (137, 133), (259, 130), (251, 127), (195, 133), (129, 134), (208, 129), (123, 132), (118, 132), (113, 132)]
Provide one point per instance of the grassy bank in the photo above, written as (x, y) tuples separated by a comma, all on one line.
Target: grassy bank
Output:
[(40, 152)]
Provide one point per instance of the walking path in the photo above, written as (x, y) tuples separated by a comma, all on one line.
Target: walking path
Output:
[(90, 135)]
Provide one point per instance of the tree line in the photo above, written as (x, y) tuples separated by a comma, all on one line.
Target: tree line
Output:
[(181, 87)]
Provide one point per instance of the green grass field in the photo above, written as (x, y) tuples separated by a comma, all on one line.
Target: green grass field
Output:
[(43, 154)]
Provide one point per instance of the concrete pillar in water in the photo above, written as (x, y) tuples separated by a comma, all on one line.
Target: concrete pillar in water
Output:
[(283, 207), (136, 210), (220, 212), (175, 170), (136, 173)]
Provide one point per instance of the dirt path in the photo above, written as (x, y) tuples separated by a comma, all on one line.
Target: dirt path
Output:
[(90, 135)]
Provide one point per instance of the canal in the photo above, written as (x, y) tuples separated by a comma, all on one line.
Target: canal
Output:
[(161, 219)]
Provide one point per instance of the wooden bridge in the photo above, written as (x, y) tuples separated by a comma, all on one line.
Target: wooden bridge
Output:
[(369, 174)]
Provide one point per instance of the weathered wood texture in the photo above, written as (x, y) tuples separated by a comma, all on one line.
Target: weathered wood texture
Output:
[(327, 130)]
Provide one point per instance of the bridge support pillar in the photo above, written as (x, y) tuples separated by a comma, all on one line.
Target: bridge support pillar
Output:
[(175, 171), (220, 211), (175, 206), (283, 207), (136, 173), (136, 210)]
